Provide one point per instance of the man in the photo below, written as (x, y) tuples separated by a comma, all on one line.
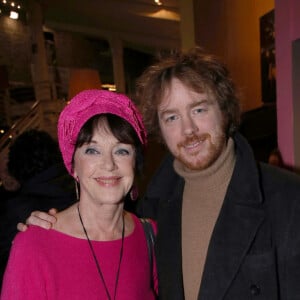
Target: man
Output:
[(227, 226)]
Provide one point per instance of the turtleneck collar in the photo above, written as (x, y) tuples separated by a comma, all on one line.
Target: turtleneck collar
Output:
[(218, 173)]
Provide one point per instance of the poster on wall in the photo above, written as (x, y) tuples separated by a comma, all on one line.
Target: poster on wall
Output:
[(267, 54)]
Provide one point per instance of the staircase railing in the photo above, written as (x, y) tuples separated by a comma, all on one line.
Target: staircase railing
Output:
[(42, 115), (30, 120)]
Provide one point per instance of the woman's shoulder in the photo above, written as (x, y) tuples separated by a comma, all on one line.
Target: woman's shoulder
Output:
[(39, 240), (139, 221), (30, 239), (36, 234), (31, 233)]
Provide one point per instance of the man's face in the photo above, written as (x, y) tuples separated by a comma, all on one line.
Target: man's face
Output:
[(192, 126)]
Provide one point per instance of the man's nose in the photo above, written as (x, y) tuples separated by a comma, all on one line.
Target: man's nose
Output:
[(189, 126)]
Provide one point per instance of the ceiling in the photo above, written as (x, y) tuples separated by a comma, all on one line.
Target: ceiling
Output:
[(139, 23)]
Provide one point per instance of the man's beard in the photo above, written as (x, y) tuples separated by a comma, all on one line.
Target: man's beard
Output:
[(212, 153)]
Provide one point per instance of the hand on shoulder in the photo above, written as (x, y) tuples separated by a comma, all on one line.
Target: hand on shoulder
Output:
[(39, 218)]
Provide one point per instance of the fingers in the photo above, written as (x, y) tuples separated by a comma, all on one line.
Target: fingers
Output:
[(22, 227), (52, 211), (42, 219)]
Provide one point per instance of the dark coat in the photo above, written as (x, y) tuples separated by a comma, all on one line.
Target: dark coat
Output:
[(254, 251)]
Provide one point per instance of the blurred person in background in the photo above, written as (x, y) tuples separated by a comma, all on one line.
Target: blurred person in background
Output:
[(34, 163), (275, 158)]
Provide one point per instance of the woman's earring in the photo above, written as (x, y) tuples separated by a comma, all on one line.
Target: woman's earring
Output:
[(134, 193), (77, 189)]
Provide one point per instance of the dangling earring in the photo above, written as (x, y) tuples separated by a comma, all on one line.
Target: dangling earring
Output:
[(134, 193), (77, 188)]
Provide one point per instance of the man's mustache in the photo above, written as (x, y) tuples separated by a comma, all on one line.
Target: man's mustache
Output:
[(194, 139)]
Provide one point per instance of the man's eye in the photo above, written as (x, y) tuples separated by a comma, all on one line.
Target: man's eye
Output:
[(171, 118), (91, 151), (198, 110)]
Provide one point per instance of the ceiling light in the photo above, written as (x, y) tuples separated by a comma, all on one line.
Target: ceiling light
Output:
[(158, 2), (163, 14), (14, 15), (12, 9)]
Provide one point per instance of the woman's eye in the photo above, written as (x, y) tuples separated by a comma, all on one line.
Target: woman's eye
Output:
[(122, 152), (91, 151)]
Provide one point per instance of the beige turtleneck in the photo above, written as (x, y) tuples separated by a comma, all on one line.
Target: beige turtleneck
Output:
[(203, 195)]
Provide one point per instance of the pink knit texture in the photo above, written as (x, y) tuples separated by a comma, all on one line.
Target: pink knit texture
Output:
[(87, 104)]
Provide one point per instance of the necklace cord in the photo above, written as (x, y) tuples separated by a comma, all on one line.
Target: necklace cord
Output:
[(96, 260)]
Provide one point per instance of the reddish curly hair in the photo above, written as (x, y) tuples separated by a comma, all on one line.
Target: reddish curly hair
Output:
[(197, 70)]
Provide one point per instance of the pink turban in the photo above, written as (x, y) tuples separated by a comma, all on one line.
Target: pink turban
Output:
[(87, 104)]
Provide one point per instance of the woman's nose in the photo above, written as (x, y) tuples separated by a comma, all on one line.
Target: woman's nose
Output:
[(108, 162)]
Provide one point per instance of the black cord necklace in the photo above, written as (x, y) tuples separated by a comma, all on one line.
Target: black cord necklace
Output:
[(96, 260)]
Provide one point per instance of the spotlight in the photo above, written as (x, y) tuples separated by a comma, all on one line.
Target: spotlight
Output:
[(14, 15)]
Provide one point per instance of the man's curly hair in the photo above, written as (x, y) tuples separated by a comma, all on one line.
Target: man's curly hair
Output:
[(197, 70)]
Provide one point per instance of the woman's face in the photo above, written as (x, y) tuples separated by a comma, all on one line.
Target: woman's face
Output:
[(104, 167)]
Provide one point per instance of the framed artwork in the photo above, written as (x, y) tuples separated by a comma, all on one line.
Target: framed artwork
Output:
[(267, 55)]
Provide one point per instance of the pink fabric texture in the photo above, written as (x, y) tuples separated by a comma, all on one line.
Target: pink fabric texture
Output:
[(52, 265), (87, 104)]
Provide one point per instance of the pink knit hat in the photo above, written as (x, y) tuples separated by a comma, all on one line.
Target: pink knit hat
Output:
[(87, 104)]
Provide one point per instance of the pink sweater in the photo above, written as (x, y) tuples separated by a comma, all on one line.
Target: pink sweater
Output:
[(47, 264)]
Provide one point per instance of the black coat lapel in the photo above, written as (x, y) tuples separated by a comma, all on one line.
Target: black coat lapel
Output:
[(235, 230), (236, 227), (169, 244)]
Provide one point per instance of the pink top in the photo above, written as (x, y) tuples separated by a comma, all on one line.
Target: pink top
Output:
[(47, 264)]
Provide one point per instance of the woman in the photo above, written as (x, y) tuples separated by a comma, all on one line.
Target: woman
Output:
[(95, 250)]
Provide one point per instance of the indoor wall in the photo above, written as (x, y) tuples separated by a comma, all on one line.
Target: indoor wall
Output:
[(230, 29), (287, 28)]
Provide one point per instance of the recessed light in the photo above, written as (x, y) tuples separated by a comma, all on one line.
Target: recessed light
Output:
[(14, 15)]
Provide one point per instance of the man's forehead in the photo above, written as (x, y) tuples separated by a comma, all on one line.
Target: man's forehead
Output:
[(191, 99)]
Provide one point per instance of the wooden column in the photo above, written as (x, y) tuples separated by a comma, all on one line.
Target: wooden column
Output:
[(118, 63), (187, 24), (40, 72)]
